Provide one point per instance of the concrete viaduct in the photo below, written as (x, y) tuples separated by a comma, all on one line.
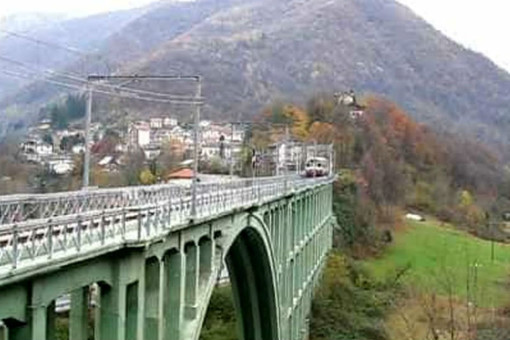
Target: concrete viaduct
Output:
[(138, 265)]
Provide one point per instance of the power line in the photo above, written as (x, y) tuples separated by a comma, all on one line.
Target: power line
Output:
[(150, 77), (46, 43), (30, 77), (69, 49), (112, 94), (112, 87)]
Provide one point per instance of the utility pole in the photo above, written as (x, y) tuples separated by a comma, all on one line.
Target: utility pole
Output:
[(492, 242), (315, 156), (231, 170), (88, 119), (196, 150), (331, 160), (490, 226), (196, 100), (285, 169)]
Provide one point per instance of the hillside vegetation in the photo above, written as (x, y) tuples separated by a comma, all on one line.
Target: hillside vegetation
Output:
[(251, 52), (389, 163)]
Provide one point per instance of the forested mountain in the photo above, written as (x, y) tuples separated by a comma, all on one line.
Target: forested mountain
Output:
[(251, 52)]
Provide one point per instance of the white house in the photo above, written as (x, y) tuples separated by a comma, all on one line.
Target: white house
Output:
[(161, 136), (37, 147), (139, 134), (61, 166), (205, 123), (210, 136), (156, 123), (356, 114), (78, 149), (44, 149), (170, 122), (238, 133), (181, 135), (290, 155), (208, 151)]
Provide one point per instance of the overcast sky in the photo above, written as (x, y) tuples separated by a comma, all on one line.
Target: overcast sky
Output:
[(73, 7), (482, 25)]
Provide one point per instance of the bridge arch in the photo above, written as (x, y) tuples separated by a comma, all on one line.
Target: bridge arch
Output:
[(251, 266)]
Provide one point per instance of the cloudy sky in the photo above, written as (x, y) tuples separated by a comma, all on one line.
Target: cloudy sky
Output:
[(481, 25)]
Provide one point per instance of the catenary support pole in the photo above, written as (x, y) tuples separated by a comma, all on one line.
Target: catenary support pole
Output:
[(196, 142), (231, 170), (88, 119), (286, 151)]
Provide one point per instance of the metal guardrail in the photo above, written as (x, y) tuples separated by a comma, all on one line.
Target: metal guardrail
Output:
[(64, 225)]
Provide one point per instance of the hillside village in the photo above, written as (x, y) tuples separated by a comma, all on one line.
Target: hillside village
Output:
[(58, 150), (221, 146)]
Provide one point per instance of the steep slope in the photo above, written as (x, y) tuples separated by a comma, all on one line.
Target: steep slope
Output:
[(261, 50)]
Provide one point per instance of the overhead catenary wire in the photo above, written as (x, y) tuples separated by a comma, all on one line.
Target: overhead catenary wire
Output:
[(84, 81), (46, 43), (15, 74), (112, 94)]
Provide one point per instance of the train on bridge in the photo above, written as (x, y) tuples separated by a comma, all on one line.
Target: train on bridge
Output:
[(317, 167)]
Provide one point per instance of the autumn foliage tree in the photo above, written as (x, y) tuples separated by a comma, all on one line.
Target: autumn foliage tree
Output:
[(397, 163)]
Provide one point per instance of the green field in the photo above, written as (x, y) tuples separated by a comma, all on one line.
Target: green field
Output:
[(438, 255)]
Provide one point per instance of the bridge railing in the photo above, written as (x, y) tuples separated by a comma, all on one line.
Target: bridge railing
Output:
[(18, 208), (131, 214)]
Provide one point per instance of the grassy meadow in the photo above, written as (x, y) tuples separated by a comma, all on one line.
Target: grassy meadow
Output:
[(437, 259)]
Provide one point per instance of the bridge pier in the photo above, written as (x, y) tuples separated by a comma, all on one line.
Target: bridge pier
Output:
[(174, 294), (192, 273), (206, 263), (43, 321), (151, 298), (78, 315), (111, 307), (132, 303)]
